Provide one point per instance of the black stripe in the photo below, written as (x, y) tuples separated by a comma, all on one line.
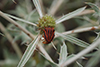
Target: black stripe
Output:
[(45, 29), (52, 38), (45, 37)]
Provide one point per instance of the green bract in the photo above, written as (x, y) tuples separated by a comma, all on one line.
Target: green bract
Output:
[(46, 21)]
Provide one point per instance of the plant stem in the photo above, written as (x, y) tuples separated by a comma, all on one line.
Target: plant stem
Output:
[(10, 39), (88, 11), (42, 7), (81, 30), (17, 25)]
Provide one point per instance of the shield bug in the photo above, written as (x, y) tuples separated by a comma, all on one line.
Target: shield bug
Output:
[(48, 35)]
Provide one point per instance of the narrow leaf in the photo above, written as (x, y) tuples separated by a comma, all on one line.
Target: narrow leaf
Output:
[(70, 15), (38, 7), (19, 19), (70, 56), (2, 34), (97, 37), (73, 40), (29, 51), (94, 7), (79, 64), (94, 60), (63, 54)]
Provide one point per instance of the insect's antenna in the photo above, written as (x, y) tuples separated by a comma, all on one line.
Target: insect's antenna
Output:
[(53, 45)]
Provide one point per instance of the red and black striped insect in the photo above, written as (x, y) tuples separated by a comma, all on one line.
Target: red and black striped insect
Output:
[(49, 34)]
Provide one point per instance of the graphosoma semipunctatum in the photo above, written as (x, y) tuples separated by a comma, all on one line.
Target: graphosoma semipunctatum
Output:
[(49, 34)]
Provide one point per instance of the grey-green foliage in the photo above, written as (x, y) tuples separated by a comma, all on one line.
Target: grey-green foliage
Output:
[(94, 7), (28, 53), (70, 15), (79, 64), (60, 27), (73, 40), (94, 60), (11, 60), (2, 34), (21, 11), (63, 54)]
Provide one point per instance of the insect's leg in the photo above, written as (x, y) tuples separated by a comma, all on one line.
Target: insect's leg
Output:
[(53, 45)]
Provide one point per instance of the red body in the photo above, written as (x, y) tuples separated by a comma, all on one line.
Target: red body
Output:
[(48, 34)]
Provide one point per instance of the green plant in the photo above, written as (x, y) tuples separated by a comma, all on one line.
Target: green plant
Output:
[(64, 58)]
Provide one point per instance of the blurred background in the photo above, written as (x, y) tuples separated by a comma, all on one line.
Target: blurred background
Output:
[(22, 9)]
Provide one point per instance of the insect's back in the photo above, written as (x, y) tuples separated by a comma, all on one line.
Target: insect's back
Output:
[(49, 34)]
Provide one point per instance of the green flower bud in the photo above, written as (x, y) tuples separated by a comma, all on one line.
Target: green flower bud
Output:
[(46, 21)]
